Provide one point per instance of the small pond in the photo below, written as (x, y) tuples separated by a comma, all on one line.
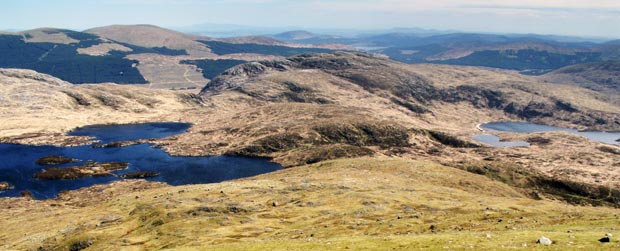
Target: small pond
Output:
[(18, 167), (525, 127)]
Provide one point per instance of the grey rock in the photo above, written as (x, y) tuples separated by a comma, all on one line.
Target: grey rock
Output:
[(5, 186), (544, 241), (107, 220)]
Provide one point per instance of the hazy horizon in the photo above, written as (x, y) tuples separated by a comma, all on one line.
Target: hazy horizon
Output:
[(600, 18)]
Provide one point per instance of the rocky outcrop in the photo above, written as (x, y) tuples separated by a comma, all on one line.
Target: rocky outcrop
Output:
[(535, 183), (54, 160), (32, 76), (5, 186), (408, 89), (329, 141), (90, 169), (139, 175)]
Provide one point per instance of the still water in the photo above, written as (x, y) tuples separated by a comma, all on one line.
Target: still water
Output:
[(17, 162), (525, 127)]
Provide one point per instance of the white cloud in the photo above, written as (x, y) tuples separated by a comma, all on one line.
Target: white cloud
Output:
[(436, 5)]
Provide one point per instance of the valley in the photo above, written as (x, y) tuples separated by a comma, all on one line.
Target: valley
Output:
[(375, 153)]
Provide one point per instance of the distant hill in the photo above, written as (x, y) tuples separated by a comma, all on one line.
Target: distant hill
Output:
[(252, 40), (600, 76), (136, 54), (55, 52), (527, 54), (530, 54), (306, 37), (609, 50), (295, 35), (151, 36)]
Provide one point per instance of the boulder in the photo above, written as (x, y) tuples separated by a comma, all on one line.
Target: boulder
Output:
[(607, 238), (5, 186), (544, 241)]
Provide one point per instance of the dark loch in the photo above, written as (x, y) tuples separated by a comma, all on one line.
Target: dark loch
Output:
[(17, 162)]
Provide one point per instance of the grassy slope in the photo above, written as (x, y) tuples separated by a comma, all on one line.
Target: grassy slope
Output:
[(367, 203)]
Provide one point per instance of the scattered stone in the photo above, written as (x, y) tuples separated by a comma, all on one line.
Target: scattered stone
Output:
[(5, 186), (54, 160), (81, 245), (139, 175), (607, 238), (609, 149), (26, 194), (107, 220), (275, 204), (544, 241)]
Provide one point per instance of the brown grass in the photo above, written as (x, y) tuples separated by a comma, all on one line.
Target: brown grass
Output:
[(356, 203)]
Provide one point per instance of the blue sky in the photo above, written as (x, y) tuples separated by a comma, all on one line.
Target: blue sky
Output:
[(565, 17)]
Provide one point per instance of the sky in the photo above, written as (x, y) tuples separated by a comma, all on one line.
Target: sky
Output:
[(593, 18)]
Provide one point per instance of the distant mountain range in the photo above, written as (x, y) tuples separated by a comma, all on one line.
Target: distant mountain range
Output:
[(164, 58), (529, 54), (135, 54)]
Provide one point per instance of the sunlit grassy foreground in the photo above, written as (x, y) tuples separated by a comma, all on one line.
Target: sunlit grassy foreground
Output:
[(365, 203)]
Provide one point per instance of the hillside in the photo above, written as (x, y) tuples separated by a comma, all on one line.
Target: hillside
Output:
[(151, 36), (40, 107), (601, 76), (137, 54), (528, 54), (75, 56), (356, 204), (610, 50), (377, 154), (314, 107)]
